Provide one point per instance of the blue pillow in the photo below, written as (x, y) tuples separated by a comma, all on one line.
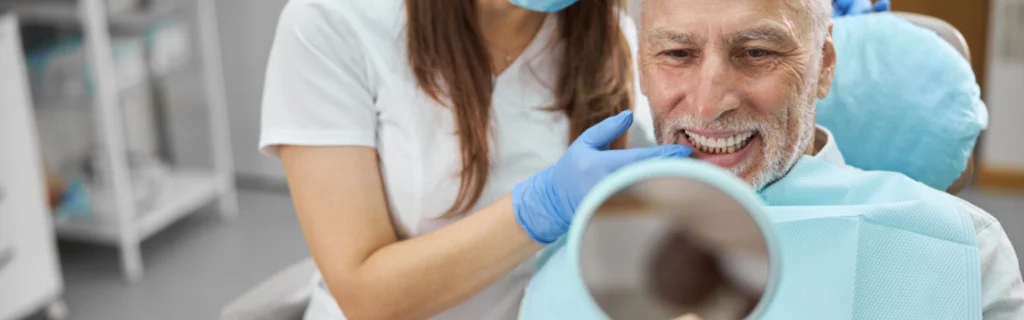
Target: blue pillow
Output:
[(902, 100)]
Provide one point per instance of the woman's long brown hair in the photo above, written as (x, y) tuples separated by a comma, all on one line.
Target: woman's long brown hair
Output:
[(451, 63)]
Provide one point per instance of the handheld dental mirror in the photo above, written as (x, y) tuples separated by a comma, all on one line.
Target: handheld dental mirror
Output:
[(685, 241)]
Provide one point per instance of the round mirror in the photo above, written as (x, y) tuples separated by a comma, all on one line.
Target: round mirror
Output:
[(675, 248)]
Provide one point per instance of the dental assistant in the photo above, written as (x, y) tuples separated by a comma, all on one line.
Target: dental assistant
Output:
[(433, 146)]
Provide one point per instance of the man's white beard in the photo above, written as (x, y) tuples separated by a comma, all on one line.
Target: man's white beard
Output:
[(779, 165)]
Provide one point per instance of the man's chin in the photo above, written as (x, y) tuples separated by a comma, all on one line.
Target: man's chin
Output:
[(747, 164), (754, 179)]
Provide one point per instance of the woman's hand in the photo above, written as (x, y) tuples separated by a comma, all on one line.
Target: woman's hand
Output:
[(546, 203)]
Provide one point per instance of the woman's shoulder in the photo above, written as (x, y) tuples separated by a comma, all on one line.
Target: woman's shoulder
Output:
[(347, 15)]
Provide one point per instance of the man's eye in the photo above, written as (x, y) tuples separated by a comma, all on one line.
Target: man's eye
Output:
[(757, 53), (677, 53)]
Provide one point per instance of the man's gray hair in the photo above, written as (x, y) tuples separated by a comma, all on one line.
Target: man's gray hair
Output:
[(820, 11), (821, 17)]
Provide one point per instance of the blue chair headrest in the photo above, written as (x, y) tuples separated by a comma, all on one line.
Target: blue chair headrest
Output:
[(903, 100)]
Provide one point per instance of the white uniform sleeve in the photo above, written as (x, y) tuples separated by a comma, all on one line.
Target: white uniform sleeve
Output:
[(641, 134), (317, 91), (1002, 290)]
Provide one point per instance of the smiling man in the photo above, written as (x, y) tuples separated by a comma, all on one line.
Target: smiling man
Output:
[(738, 80)]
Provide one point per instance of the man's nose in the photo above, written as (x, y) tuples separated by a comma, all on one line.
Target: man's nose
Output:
[(714, 94)]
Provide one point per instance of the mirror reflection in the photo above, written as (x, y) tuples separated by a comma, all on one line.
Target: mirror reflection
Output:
[(674, 248)]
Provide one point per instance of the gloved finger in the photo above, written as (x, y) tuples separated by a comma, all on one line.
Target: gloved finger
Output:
[(843, 4), (618, 158), (837, 12), (603, 133), (839, 7), (881, 5), (859, 7)]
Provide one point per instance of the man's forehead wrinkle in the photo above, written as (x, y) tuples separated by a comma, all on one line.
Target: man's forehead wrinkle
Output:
[(770, 33), (774, 34), (665, 35)]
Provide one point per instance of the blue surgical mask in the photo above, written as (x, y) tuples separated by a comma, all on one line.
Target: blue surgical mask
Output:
[(543, 5)]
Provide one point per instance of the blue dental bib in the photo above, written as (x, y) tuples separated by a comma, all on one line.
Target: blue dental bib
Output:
[(843, 244)]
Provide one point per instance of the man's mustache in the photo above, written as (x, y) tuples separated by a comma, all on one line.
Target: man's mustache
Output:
[(734, 123)]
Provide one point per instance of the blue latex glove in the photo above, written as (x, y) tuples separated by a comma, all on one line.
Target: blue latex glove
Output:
[(546, 202), (854, 7)]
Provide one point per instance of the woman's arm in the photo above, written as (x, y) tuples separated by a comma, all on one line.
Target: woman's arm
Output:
[(340, 203)]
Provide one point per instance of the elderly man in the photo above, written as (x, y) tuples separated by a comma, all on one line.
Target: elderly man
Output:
[(737, 80)]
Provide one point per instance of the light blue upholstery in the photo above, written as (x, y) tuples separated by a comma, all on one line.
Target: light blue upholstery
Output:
[(903, 100)]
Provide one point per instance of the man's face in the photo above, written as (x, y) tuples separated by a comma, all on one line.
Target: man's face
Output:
[(736, 80)]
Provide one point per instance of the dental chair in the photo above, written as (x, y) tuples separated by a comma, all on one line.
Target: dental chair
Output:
[(284, 295), (953, 36)]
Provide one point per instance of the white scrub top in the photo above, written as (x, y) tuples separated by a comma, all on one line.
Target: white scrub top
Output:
[(338, 75)]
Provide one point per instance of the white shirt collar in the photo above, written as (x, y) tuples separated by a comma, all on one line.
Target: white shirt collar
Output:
[(829, 151)]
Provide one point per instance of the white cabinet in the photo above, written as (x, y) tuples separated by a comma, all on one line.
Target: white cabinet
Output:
[(126, 222), (30, 277)]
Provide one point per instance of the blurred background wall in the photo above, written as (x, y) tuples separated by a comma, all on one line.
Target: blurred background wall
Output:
[(246, 34), (1002, 147), (247, 31)]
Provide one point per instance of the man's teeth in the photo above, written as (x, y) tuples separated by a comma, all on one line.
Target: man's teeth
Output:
[(720, 145)]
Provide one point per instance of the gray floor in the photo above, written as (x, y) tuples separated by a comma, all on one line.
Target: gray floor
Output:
[(201, 263), (192, 269)]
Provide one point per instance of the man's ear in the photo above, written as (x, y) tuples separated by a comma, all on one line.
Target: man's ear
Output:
[(828, 65)]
